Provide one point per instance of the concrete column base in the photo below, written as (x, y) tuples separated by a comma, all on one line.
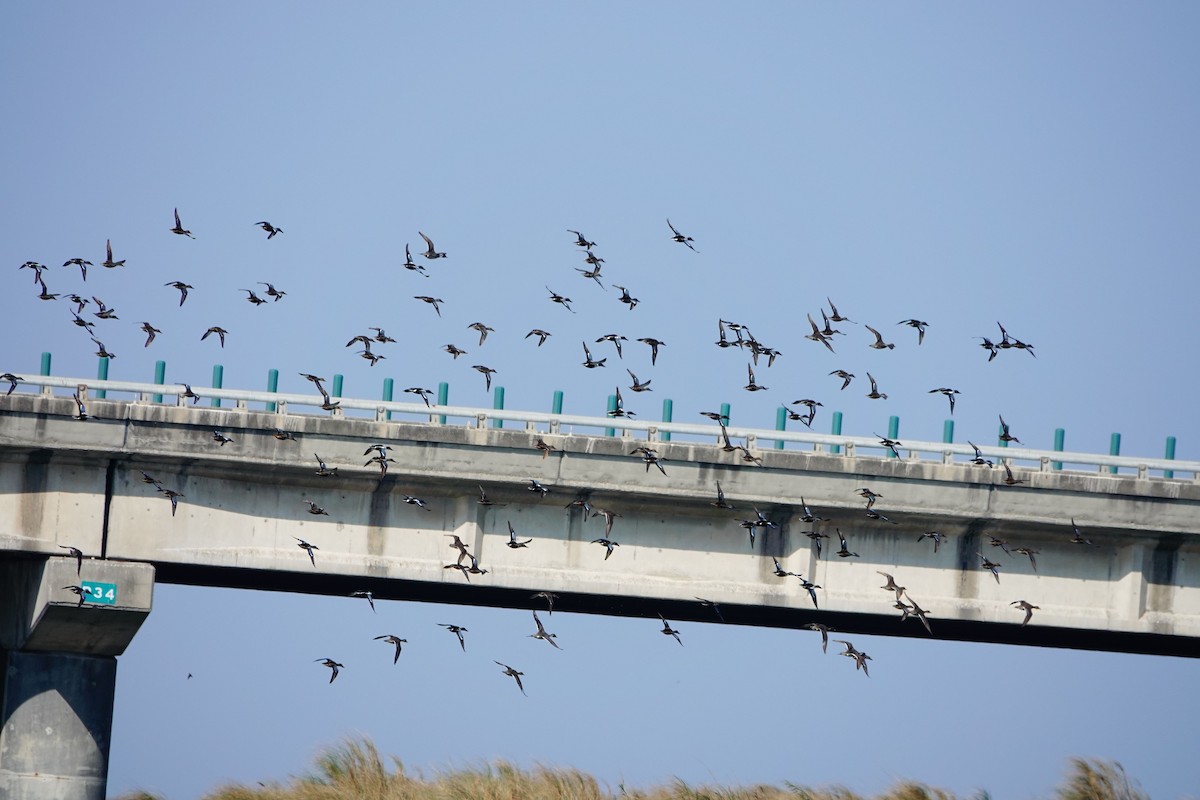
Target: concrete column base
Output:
[(55, 725)]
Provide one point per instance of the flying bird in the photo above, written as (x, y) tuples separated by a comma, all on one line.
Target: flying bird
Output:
[(270, 229), (542, 634), (183, 289), (626, 297), (555, 297), (487, 374), (458, 631), (875, 394), (108, 262), (581, 241), (516, 676), (171, 495), (1028, 608), (308, 548), (684, 240), (81, 263), (220, 332), (396, 640), (76, 554), (609, 544), (512, 536), (369, 596), (919, 325), (845, 376), (879, 343), (667, 630), (433, 301), (333, 665), (1005, 435), (483, 331), (151, 332), (949, 395), (178, 229), (430, 252), (541, 334)]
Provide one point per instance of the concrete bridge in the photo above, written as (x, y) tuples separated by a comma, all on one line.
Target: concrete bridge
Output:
[(245, 506)]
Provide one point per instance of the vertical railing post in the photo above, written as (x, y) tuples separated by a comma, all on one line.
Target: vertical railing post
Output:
[(388, 387), (272, 387), (556, 403), (1060, 437), (611, 407), (498, 404), (1114, 449), (1000, 432), (336, 391), (218, 379), (668, 412), (45, 365), (781, 415), (948, 432), (102, 374), (160, 377), (893, 431), (443, 399), (1169, 454), (725, 412), (835, 427)]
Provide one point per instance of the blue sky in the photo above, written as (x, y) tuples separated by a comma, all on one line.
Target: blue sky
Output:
[(957, 163)]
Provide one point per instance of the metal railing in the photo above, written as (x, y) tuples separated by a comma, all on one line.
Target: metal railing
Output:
[(283, 405)]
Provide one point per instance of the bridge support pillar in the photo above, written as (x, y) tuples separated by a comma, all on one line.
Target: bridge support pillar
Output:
[(58, 671)]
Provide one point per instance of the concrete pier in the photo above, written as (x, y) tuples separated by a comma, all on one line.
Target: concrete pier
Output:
[(58, 671)]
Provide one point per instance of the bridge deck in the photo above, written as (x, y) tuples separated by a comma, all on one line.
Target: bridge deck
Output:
[(64, 481)]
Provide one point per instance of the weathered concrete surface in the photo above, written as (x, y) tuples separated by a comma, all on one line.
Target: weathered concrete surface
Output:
[(38, 612), (55, 725), (1138, 589)]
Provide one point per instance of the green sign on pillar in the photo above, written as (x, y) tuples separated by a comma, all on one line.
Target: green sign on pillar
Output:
[(103, 594)]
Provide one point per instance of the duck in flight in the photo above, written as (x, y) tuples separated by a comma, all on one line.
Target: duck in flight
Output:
[(676, 236), (178, 229), (430, 251)]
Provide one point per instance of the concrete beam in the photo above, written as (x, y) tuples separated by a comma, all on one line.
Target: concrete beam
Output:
[(38, 612)]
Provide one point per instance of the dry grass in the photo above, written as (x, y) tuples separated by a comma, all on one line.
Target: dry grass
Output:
[(354, 770)]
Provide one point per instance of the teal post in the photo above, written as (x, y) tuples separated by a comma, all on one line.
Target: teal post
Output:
[(781, 416), (668, 412), (160, 377), (948, 431), (999, 432), (337, 386), (443, 399), (272, 386), (218, 379), (725, 412), (556, 404), (1170, 454), (388, 386), (102, 374), (498, 404), (836, 429), (612, 406), (45, 364), (1060, 437), (1114, 449), (893, 431)]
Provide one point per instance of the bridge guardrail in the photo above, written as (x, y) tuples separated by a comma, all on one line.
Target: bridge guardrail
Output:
[(846, 446)]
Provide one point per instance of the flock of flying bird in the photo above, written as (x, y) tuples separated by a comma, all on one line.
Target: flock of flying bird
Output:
[(730, 335)]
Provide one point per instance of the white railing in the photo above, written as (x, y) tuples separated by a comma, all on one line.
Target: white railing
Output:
[(846, 446)]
